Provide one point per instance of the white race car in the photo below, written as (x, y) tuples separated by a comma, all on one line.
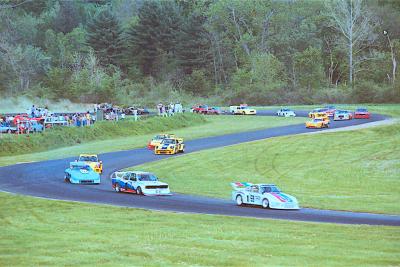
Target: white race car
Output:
[(265, 195), (138, 182), (341, 115), (285, 112)]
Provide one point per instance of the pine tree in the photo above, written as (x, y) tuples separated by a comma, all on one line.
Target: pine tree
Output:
[(105, 37), (144, 38), (194, 45)]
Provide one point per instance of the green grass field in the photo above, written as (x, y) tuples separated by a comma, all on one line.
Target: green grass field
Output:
[(214, 125), (353, 170), (37, 232)]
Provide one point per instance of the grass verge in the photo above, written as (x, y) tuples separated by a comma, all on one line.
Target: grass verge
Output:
[(354, 170), (69, 136), (215, 125), (37, 232)]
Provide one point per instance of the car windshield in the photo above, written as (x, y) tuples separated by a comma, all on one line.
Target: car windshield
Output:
[(361, 110), (147, 177), (270, 189), (158, 137), (88, 158), (168, 141), (245, 107), (317, 120)]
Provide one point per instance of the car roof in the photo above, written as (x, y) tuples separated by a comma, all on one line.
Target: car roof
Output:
[(87, 155), (265, 184)]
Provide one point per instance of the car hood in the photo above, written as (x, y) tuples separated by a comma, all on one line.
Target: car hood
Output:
[(152, 183), (282, 197)]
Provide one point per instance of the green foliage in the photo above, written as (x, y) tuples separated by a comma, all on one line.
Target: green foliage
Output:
[(258, 51), (67, 136), (105, 37)]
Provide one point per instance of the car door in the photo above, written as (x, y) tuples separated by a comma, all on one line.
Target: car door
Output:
[(133, 181), (253, 195)]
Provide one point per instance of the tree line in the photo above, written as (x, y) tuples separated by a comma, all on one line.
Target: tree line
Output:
[(256, 51)]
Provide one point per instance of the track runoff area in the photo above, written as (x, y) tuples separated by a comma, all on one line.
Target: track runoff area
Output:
[(45, 180)]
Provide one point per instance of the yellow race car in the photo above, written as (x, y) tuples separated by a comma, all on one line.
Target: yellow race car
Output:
[(320, 115), (156, 140), (170, 146), (317, 123), (93, 161)]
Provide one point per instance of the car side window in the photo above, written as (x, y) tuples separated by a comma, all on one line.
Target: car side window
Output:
[(133, 177)]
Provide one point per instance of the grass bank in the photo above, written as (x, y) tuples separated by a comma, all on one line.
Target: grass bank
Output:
[(354, 170), (69, 136), (215, 125), (36, 232)]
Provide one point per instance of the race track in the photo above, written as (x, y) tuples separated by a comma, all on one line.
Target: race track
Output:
[(45, 179)]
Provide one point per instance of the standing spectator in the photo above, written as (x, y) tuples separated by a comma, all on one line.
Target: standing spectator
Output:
[(135, 114), (33, 110), (171, 110), (163, 113), (88, 118)]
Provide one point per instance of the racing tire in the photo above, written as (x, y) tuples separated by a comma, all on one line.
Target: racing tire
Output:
[(244, 113), (117, 189), (66, 179), (239, 200), (265, 203), (9, 131), (139, 191)]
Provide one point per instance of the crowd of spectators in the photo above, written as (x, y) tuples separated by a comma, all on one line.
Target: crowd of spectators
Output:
[(169, 110)]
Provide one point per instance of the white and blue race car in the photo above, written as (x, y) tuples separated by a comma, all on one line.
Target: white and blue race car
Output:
[(265, 195), (138, 182)]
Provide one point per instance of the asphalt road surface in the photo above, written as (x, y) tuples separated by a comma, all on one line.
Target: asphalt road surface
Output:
[(45, 179)]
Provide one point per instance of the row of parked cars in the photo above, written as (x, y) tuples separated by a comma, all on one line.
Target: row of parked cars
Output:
[(242, 109)]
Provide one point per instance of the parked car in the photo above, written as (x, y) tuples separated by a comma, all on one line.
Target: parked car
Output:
[(138, 182), (200, 109), (285, 112), (55, 121), (7, 128), (81, 173), (265, 195), (362, 113), (170, 146)]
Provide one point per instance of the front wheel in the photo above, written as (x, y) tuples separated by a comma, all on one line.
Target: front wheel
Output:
[(66, 179), (239, 200), (139, 191), (117, 189), (265, 203)]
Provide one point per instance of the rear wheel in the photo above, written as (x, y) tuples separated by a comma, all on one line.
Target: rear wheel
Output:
[(265, 203), (239, 200)]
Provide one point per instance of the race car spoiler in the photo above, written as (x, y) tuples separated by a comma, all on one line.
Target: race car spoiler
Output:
[(240, 185)]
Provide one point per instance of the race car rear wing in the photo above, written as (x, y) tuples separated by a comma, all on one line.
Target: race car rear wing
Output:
[(240, 185)]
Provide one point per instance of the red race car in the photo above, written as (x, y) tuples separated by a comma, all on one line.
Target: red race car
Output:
[(23, 117), (362, 113)]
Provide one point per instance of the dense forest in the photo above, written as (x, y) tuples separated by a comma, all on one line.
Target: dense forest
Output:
[(228, 51)]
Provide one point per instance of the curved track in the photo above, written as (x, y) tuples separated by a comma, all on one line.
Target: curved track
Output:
[(45, 179)]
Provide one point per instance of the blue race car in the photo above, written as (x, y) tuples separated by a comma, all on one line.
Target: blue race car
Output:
[(81, 173)]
